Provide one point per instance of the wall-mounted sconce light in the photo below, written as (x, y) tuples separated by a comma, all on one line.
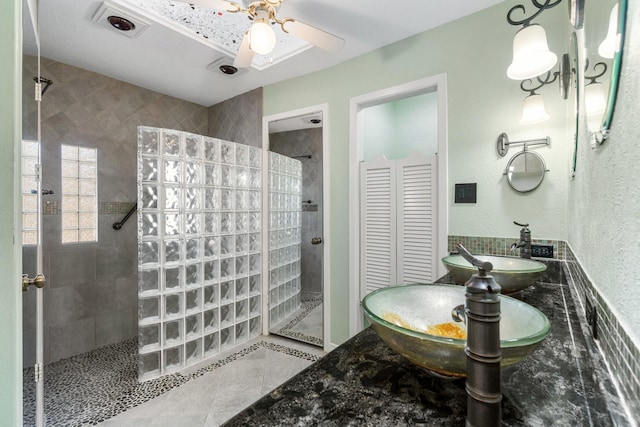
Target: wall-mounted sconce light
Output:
[(532, 59), (531, 54), (533, 110), (611, 43), (533, 107)]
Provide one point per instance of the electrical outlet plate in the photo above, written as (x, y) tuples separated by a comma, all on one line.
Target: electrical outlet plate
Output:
[(542, 251)]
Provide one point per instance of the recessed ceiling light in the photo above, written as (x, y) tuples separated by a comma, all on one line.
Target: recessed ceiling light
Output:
[(121, 18), (120, 23)]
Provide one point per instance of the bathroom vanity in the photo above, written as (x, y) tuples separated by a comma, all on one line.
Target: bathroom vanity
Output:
[(363, 382)]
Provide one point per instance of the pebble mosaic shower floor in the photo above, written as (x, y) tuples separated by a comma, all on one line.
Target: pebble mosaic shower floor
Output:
[(95, 386), (291, 329)]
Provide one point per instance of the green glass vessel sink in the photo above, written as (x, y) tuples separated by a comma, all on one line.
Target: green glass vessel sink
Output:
[(512, 274), (522, 327)]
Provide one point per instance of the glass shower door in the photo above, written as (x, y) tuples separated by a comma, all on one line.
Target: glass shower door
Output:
[(31, 175)]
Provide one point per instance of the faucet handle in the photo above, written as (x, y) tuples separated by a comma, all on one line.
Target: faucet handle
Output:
[(484, 266), (520, 225)]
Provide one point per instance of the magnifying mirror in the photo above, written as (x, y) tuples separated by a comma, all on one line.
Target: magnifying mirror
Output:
[(525, 171)]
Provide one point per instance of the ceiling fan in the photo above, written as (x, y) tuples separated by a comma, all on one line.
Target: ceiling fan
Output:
[(260, 38)]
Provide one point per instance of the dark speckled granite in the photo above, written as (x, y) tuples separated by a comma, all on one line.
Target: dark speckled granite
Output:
[(364, 383)]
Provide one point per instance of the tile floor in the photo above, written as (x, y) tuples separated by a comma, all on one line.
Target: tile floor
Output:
[(306, 324), (101, 386), (216, 396)]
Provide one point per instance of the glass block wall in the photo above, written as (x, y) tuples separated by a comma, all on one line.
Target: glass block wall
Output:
[(199, 248), (285, 200)]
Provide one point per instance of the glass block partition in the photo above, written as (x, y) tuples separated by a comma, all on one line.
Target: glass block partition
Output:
[(285, 200), (199, 248)]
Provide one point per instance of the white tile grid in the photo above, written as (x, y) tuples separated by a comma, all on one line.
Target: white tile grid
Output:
[(285, 195), (199, 268)]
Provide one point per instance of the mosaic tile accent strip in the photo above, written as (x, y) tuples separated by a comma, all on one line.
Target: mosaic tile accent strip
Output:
[(51, 207), (104, 383), (501, 246), (619, 351), (310, 300), (120, 208)]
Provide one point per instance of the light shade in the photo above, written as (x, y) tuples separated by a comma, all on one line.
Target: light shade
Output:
[(609, 45), (531, 55), (533, 110), (595, 104), (594, 99), (262, 39)]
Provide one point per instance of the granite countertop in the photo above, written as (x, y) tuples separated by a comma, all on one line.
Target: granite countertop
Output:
[(364, 383)]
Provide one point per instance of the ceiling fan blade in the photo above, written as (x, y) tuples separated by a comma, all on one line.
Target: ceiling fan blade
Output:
[(313, 35), (245, 54), (214, 4)]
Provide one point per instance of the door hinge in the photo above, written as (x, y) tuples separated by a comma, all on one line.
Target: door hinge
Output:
[(38, 372), (38, 173)]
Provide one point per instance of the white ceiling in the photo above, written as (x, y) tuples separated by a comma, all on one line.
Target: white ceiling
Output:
[(175, 62)]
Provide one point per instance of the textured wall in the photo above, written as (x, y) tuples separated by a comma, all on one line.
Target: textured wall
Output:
[(238, 119), (301, 143), (91, 296), (474, 52), (604, 197)]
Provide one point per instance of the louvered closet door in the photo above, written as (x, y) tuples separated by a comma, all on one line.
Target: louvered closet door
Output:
[(416, 203), (378, 224), (398, 222)]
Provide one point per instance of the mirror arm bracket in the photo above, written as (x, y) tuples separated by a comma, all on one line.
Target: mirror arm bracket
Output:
[(503, 143)]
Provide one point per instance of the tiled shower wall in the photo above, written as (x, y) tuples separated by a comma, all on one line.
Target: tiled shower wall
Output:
[(90, 296), (238, 119), (307, 142)]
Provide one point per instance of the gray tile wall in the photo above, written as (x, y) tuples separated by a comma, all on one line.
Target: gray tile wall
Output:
[(238, 119), (91, 294), (301, 143)]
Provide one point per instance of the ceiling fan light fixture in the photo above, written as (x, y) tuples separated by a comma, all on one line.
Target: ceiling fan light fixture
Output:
[(262, 38)]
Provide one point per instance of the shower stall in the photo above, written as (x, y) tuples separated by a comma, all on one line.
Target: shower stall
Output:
[(200, 261), (89, 167)]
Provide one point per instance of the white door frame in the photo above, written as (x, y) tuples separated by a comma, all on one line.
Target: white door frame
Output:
[(326, 208), (438, 84)]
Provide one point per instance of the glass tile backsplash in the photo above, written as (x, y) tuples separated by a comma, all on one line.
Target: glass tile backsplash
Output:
[(199, 252), (618, 349)]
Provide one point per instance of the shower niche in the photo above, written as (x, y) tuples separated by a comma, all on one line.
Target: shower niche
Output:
[(199, 248)]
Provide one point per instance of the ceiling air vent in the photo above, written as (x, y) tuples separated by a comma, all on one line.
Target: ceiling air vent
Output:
[(120, 19)]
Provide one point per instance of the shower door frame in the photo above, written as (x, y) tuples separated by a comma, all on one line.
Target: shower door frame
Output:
[(33, 12), (326, 208)]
